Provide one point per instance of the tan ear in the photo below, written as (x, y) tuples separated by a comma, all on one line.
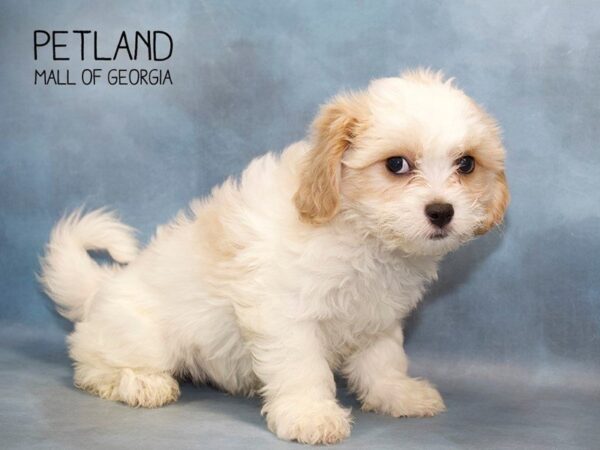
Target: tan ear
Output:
[(333, 131), (497, 206)]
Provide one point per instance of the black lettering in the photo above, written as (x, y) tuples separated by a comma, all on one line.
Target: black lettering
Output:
[(96, 57), (37, 44), (82, 34), (140, 37), (39, 74), (123, 44), (156, 33), (167, 77), (55, 46)]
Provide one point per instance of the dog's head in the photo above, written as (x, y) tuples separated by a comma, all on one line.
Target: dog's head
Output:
[(412, 160)]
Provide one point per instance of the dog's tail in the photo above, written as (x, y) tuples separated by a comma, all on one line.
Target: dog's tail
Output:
[(68, 274)]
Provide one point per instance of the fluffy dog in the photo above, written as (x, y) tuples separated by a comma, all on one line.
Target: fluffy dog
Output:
[(303, 267)]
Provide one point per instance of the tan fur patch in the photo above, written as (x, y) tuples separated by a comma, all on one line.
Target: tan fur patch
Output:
[(334, 129), (498, 204)]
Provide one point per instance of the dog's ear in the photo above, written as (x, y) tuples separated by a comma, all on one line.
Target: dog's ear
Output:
[(333, 131), (497, 204)]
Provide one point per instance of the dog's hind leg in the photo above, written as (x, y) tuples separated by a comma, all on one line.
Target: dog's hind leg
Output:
[(134, 387), (122, 364)]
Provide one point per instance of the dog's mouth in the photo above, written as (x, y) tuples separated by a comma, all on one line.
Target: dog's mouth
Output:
[(439, 235)]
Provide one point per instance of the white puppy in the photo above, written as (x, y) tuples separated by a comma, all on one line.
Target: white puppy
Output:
[(302, 268)]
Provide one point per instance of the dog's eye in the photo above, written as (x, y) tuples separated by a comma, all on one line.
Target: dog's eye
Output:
[(466, 164), (398, 165)]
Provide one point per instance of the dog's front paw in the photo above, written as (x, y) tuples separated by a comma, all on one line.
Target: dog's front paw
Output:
[(407, 397), (308, 422)]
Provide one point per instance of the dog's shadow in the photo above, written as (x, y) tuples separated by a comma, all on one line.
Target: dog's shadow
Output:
[(455, 271)]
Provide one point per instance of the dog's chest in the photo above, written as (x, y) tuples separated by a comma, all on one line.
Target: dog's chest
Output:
[(370, 299)]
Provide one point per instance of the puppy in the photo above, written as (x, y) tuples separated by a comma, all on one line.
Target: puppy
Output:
[(303, 267)]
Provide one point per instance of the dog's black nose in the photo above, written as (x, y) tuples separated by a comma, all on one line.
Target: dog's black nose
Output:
[(439, 214)]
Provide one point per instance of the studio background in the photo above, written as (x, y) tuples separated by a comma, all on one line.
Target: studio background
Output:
[(510, 333)]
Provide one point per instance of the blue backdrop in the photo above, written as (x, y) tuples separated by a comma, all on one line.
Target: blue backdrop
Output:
[(519, 307)]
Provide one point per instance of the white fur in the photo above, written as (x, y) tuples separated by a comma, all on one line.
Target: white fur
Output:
[(239, 292)]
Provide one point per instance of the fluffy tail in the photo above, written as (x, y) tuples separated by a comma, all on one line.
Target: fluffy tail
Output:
[(68, 274)]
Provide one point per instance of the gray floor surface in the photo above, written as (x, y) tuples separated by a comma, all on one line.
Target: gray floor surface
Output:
[(488, 407)]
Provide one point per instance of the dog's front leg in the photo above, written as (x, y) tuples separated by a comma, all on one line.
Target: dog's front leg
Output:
[(299, 389), (377, 374)]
